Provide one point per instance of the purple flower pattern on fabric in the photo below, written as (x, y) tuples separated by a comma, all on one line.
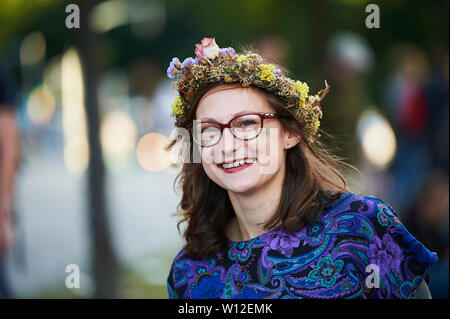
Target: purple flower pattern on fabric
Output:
[(314, 233), (241, 250), (326, 271), (281, 241), (385, 253)]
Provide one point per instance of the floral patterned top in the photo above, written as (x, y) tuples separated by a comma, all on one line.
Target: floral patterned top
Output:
[(357, 249)]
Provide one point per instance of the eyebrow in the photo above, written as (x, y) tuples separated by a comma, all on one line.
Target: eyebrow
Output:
[(233, 116)]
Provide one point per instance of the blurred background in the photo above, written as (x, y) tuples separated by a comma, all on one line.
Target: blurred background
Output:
[(92, 187)]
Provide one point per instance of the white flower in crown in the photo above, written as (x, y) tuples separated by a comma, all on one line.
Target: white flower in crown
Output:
[(207, 49)]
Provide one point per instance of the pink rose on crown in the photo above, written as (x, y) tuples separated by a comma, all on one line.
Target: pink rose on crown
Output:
[(207, 49)]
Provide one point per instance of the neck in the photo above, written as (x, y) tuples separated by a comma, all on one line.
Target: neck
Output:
[(253, 209)]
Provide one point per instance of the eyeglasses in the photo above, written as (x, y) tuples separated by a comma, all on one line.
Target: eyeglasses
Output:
[(244, 127)]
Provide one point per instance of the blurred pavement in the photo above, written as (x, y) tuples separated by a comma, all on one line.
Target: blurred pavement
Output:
[(52, 228)]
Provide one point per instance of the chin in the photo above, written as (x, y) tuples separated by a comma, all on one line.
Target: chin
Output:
[(240, 188), (239, 182)]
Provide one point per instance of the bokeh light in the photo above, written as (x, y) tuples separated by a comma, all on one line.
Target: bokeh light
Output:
[(40, 105), (377, 138), (118, 135), (76, 147), (76, 155), (150, 152), (147, 18), (108, 15), (52, 76), (32, 49)]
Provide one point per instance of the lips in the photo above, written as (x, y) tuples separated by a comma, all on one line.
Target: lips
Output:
[(236, 163), (232, 167)]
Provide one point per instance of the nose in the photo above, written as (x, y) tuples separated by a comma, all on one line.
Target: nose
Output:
[(228, 142)]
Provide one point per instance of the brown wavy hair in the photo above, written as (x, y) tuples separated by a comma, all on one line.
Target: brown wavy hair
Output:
[(312, 179)]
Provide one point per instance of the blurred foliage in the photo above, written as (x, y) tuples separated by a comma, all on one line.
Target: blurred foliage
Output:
[(307, 25), (17, 16), (134, 286)]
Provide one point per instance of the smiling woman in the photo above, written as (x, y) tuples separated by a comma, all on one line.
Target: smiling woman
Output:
[(268, 213)]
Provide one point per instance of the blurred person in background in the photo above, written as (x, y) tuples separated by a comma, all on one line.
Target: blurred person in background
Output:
[(350, 60), (417, 106), (427, 220), (437, 98), (408, 111), (9, 141)]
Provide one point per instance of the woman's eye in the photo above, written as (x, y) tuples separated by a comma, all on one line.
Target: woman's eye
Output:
[(207, 128), (247, 123)]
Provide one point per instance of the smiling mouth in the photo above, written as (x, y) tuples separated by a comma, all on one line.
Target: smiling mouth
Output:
[(236, 165)]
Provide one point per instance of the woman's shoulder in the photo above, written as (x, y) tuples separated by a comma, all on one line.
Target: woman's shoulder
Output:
[(187, 266), (185, 257), (377, 218), (355, 203), (178, 263), (403, 262), (338, 199)]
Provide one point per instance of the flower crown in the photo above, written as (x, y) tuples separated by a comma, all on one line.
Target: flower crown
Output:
[(215, 65)]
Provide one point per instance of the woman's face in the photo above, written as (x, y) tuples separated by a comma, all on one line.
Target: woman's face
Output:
[(222, 104)]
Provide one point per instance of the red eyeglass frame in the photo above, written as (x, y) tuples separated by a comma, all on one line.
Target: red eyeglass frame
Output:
[(263, 116)]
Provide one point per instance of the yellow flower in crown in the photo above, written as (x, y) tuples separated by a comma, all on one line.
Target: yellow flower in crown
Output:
[(177, 106), (242, 58), (316, 125), (302, 89), (267, 72)]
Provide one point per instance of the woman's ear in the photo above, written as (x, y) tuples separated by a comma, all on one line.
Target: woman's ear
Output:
[(291, 139)]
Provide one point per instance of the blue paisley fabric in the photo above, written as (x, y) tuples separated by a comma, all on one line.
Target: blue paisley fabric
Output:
[(327, 259)]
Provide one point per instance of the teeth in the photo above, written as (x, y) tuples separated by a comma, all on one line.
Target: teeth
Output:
[(238, 163)]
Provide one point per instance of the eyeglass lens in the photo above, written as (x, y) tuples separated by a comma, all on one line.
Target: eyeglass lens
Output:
[(243, 127)]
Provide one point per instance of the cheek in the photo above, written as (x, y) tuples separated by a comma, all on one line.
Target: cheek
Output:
[(207, 155), (270, 151), (207, 158)]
